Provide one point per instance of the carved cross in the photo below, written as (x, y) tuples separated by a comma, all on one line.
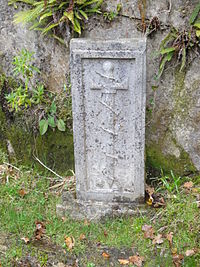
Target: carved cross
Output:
[(108, 84)]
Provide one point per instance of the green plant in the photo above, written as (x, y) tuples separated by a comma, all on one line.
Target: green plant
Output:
[(43, 258), (25, 94), (112, 14), (52, 106), (57, 16), (177, 44), (91, 265), (51, 120), (38, 94), (171, 183)]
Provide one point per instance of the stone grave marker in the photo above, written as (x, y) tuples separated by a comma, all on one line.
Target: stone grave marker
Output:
[(109, 91)]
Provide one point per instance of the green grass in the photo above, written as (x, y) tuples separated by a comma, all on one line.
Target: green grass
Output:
[(18, 215)]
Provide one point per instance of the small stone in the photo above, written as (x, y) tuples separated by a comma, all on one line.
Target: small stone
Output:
[(3, 248)]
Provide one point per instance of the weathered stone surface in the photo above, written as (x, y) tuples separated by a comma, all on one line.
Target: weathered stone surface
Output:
[(108, 90), (95, 210)]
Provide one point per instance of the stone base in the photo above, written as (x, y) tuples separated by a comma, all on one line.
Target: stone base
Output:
[(93, 210)]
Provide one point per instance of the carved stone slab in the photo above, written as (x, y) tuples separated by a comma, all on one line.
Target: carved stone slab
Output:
[(108, 89)]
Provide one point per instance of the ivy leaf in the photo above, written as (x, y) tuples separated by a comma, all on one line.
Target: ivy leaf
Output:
[(61, 125), (43, 125), (51, 122)]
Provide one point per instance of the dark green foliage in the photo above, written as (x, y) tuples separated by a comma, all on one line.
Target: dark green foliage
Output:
[(56, 16)]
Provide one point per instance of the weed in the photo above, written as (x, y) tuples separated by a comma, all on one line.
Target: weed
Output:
[(171, 183), (25, 94), (110, 16), (178, 44), (52, 120)]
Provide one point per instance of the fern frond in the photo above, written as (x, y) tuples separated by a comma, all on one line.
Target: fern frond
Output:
[(28, 15)]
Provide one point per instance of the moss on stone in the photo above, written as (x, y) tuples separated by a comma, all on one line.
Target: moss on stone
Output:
[(156, 160), (55, 148), (162, 153), (181, 97)]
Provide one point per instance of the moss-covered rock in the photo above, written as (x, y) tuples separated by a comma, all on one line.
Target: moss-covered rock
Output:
[(163, 151), (22, 142), (156, 161)]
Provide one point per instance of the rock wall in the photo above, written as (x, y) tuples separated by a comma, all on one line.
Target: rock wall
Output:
[(172, 127)]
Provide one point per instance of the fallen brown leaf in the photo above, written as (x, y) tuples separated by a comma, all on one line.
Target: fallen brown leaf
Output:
[(105, 233), (22, 192), (70, 242), (106, 255), (189, 252), (82, 237), (188, 185), (148, 231), (158, 239), (177, 259), (86, 222), (158, 201), (149, 190), (25, 239), (137, 260), (40, 230), (148, 194), (123, 262), (169, 237)]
